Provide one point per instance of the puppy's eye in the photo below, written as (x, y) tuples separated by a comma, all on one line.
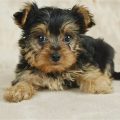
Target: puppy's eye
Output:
[(67, 38), (42, 38)]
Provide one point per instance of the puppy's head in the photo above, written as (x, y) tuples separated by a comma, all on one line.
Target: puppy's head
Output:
[(50, 35)]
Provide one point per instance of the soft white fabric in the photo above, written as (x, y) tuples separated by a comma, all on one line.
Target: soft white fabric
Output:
[(61, 105)]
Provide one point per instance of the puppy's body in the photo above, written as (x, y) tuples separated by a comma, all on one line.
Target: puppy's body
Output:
[(55, 56)]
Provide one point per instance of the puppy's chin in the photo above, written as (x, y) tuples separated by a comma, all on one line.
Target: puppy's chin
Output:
[(52, 68)]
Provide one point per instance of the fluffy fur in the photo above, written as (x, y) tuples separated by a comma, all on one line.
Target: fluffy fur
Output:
[(55, 54)]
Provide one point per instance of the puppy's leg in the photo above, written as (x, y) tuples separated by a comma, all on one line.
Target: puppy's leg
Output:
[(24, 88), (28, 83), (21, 91), (94, 81)]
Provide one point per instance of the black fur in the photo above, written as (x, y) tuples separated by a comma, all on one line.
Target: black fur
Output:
[(116, 75), (98, 53), (52, 16)]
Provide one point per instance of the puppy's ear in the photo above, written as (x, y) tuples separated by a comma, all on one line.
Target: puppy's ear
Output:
[(83, 15), (22, 17)]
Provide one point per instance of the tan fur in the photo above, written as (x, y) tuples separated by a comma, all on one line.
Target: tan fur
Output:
[(21, 91), (84, 11), (42, 58), (108, 70), (40, 28), (69, 27), (26, 11), (86, 15), (92, 80), (40, 80), (29, 83), (44, 63)]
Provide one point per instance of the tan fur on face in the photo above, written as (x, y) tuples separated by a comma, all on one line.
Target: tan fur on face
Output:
[(72, 29), (40, 28), (43, 62), (69, 27), (40, 56)]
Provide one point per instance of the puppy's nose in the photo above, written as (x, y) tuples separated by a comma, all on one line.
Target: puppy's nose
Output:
[(55, 56)]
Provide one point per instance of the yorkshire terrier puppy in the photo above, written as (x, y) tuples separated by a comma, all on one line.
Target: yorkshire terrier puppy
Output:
[(55, 55)]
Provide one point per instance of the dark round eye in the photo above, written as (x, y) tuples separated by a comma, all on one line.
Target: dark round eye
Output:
[(67, 38), (42, 38)]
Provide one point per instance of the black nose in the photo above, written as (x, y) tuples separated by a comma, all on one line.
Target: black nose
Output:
[(55, 57)]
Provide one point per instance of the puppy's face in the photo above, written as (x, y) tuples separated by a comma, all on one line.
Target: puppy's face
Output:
[(50, 40)]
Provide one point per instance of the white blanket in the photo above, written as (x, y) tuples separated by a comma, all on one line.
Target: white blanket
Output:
[(62, 105)]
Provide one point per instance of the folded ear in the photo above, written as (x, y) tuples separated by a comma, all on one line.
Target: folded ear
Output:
[(21, 17), (83, 15)]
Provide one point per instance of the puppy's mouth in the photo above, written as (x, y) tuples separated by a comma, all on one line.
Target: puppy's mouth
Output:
[(55, 63)]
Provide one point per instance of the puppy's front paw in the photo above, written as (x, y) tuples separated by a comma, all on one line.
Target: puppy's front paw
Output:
[(19, 92), (101, 85)]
